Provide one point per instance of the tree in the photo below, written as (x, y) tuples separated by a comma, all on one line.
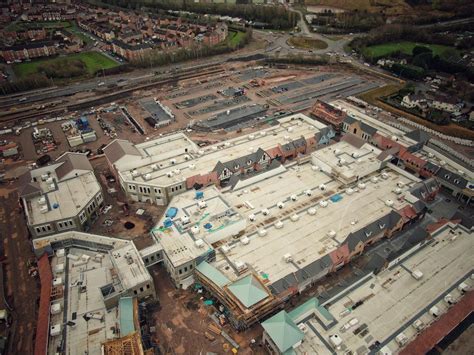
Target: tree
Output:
[(420, 49)]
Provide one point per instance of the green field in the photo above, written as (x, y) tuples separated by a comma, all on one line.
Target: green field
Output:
[(383, 50), (307, 43), (94, 61), (235, 38)]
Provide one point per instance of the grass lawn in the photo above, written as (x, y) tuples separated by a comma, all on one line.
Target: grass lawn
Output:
[(235, 38), (94, 61), (382, 50), (24, 25), (78, 32), (307, 43)]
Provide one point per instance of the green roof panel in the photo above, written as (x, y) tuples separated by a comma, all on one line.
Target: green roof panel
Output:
[(212, 274), (248, 290), (283, 331), (127, 325)]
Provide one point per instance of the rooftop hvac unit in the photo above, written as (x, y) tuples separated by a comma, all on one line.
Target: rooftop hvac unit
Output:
[(262, 232), (134, 173), (195, 230), (56, 308), (418, 324), (288, 258), (147, 176), (449, 299), (385, 176), (417, 274), (187, 157), (279, 225), (169, 174), (355, 155), (192, 166), (349, 191), (173, 161), (227, 144), (463, 287), (430, 155), (44, 177), (312, 211), (42, 200), (375, 179), (398, 191), (245, 240), (185, 220), (177, 171), (337, 152), (265, 212), (60, 253), (389, 203), (252, 218), (335, 341), (314, 167), (240, 265), (293, 197), (59, 268), (434, 311), (52, 187), (202, 204), (287, 138), (400, 184), (214, 147), (401, 339), (44, 209), (200, 152), (341, 161), (263, 133), (361, 186), (252, 149), (280, 205), (331, 233), (308, 192), (55, 330), (49, 180), (322, 187), (57, 281), (394, 138), (295, 217), (442, 162), (199, 243), (251, 137), (154, 167), (323, 203)]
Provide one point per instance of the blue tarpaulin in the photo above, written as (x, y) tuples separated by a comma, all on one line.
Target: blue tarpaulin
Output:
[(172, 212), (336, 198)]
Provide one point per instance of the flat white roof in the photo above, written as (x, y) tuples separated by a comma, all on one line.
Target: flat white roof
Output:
[(393, 300), (70, 196), (306, 239), (85, 335), (167, 156), (129, 266)]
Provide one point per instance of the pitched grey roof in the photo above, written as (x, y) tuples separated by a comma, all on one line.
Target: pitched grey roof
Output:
[(431, 167), (72, 161), (119, 148), (418, 135), (349, 120), (423, 188), (451, 178), (241, 162), (379, 226)]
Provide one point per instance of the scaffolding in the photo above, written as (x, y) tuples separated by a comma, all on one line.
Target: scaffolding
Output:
[(127, 345)]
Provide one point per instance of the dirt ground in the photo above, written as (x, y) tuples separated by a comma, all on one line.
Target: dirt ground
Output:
[(183, 319), (142, 223), (21, 290)]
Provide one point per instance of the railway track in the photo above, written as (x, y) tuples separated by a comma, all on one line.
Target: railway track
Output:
[(30, 114)]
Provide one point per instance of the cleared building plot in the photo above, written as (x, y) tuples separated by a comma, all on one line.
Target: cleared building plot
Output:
[(219, 105)]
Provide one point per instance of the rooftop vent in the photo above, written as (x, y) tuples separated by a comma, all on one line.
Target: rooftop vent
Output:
[(265, 212), (312, 211), (279, 225), (245, 240), (262, 232), (389, 203), (280, 205), (308, 192), (323, 203), (295, 217), (293, 197), (361, 186), (288, 258), (147, 176), (349, 191), (154, 167)]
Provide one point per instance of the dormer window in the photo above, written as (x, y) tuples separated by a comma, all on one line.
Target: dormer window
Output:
[(447, 176), (368, 234), (236, 166), (457, 181), (249, 162), (382, 226)]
